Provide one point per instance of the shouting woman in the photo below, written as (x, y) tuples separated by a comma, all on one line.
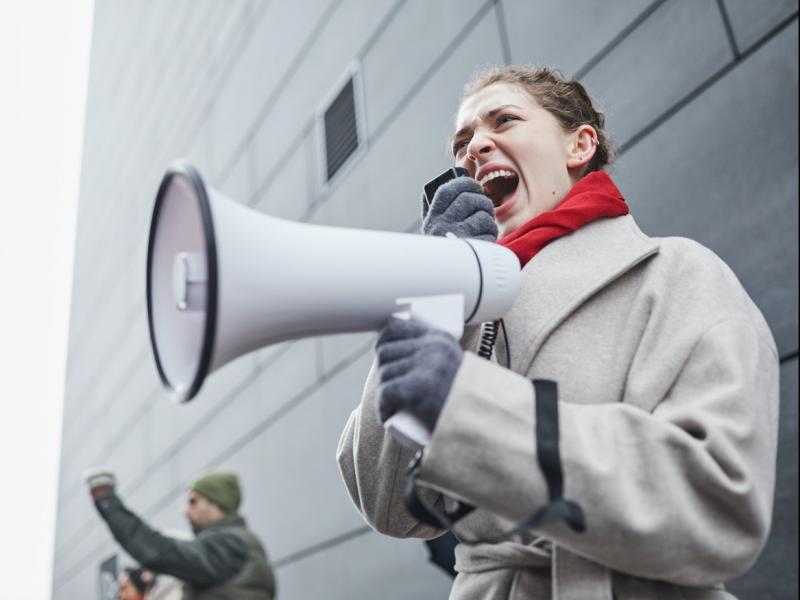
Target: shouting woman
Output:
[(621, 443)]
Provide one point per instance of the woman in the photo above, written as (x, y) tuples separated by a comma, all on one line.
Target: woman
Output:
[(665, 372)]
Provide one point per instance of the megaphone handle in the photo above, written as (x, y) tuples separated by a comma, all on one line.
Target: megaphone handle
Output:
[(445, 311), (408, 430)]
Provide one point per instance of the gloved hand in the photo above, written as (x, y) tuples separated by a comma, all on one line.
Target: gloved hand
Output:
[(417, 364), (101, 482), (459, 208)]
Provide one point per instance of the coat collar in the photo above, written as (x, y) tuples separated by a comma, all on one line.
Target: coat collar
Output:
[(229, 520), (568, 272)]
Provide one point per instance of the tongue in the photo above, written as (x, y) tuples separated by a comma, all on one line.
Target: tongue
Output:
[(500, 189)]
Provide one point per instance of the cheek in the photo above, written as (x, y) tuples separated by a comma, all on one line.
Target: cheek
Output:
[(543, 163), (466, 164)]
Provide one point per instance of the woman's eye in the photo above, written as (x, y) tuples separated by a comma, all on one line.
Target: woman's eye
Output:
[(502, 119), (459, 146)]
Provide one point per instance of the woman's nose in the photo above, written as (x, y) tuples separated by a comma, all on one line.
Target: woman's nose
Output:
[(479, 146)]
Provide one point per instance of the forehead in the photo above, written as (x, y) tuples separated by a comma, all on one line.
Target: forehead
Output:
[(497, 94)]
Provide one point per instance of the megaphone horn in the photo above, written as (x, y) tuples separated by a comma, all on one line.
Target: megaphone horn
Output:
[(224, 279)]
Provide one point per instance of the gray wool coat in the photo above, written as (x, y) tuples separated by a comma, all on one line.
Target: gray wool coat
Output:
[(668, 386)]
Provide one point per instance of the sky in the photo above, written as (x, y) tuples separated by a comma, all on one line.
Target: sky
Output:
[(44, 69)]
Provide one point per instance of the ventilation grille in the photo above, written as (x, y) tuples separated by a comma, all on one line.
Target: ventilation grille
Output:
[(341, 130)]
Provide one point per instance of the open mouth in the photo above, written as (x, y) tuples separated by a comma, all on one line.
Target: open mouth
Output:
[(499, 186)]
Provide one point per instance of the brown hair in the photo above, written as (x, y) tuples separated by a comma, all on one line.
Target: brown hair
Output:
[(567, 100)]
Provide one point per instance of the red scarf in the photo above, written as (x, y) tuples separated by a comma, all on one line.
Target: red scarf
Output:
[(594, 197)]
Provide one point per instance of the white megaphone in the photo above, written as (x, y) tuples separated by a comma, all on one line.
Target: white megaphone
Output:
[(224, 279)]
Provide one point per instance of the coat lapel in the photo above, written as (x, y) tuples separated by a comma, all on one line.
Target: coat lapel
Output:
[(568, 272)]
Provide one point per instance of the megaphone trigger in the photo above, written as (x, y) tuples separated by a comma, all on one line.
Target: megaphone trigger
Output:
[(408, 430), (444, 311)]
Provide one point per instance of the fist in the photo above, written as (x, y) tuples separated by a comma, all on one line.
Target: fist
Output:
[(101, 482), (417, 365), (460, 208)]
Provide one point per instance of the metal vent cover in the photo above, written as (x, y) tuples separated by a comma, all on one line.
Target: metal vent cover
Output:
[(341, 129), (340, 125)]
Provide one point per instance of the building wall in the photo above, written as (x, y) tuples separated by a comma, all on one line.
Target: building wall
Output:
[(701, 101)]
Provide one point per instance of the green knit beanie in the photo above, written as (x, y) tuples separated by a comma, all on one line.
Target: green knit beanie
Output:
[(222, 488)]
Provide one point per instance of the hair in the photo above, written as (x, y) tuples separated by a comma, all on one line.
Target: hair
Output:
[(565, 99)]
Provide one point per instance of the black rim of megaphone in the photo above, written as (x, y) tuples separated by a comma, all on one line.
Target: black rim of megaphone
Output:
[(183, 169)]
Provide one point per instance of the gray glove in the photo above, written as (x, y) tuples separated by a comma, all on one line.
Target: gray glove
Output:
[(417, 364), (459, 208)]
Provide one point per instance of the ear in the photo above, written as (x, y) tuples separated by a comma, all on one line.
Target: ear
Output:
[(582, 146)]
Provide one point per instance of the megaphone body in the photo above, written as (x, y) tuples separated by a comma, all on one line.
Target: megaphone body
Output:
[(224, 280)]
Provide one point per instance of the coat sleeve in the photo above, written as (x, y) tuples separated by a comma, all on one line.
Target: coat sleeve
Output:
[(205, 561), (373, 466), (681, 493)]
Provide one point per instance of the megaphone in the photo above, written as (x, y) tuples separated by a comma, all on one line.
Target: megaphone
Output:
[(224, 280)]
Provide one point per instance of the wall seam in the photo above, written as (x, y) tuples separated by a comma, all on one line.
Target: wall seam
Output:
[(321, 546), (726, 21), (502, 28), (398, 109), (277, 91), (601, 54), (700, 89)]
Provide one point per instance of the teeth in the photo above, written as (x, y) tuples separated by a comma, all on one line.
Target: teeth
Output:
[(499, 173)]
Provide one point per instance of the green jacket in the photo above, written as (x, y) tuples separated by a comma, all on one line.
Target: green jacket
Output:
[(224, 562)]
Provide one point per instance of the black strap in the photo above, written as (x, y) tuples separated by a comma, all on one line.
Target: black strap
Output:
[(424, 512), (549, 457)]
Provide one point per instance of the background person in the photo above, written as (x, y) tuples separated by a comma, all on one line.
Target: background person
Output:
[(134, 583), (167, 587), (665, 401), (225, 560)]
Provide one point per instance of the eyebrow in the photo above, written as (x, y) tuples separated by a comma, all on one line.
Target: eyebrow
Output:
[(487, 115)]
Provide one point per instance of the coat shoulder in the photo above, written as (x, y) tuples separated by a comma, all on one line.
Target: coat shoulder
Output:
[(700, 281)]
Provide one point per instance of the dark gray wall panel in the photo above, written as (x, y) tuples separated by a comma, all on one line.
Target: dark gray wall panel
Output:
[(774, 576), (81, 555), (752, 20), (288, 191), (673, 51), (279, 34), (383, 189), (81, 585), (397, 59), (239, 184), (566, 35), (246, 402), (335, 348), (723, 171), (295, 495), (384, 568), (334, 48), (114, 304)]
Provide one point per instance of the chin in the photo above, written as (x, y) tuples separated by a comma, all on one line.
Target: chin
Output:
[(510, 225)]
